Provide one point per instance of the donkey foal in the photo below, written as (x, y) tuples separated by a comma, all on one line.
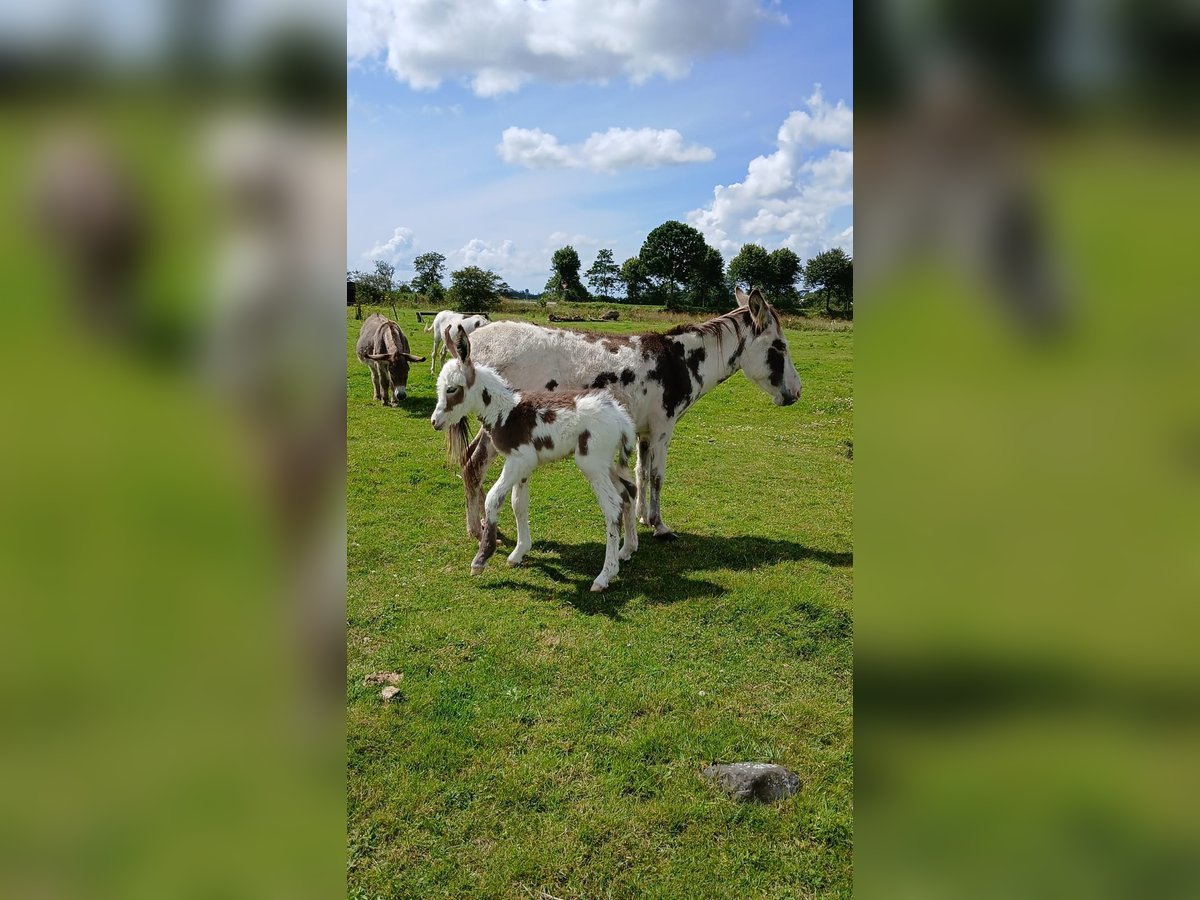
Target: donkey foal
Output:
[(532, 429)]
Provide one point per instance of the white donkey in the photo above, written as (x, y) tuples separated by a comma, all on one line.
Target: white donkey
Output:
[(445, 321), (661, 374), (532, 429)]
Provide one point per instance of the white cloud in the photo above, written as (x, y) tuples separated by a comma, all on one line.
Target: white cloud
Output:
[(788, 198), (503, 257), (533, 148), (823, 125), (393, 249), (480, 253), (617, 148), (500, 45)]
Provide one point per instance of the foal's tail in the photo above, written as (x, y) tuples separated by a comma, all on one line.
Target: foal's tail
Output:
[(429, 327)]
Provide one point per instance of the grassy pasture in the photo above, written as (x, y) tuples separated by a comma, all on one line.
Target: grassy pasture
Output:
[(547, 740)]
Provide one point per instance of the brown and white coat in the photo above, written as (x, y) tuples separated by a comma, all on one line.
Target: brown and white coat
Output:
[(659, 376), (533, 429)]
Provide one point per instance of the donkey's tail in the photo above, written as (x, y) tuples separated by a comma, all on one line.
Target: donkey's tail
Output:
[(623, 477), (628, 441), (429, 327), (458, 441)]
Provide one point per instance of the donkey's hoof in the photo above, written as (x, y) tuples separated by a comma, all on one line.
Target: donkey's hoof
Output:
[(515, 563), (664, 535), (598, 588), (478, 567)]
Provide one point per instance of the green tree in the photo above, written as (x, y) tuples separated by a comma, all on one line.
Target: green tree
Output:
[(751, 268), (372, 288), (708, 287), (633, 276), (386, 273), (475, 290), (785, 271), (565, 280), (774, 273), (671, 256), (604, 275), (429, 268), (832, 274)]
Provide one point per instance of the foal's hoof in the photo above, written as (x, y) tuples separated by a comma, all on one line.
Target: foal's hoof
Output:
[(598, 588), (664, 535), (476, 570)]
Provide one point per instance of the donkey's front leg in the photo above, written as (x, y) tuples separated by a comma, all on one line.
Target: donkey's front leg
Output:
[(658, 466), (520, 505), (376, 390), (642, 471), (514, 470)]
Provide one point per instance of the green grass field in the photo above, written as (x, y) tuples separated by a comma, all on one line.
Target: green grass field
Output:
[(547, 740)]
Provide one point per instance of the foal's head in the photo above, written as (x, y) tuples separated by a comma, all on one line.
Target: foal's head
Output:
[(765, 358), (457, 393)]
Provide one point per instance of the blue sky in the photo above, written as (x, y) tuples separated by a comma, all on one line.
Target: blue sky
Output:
[(496, 132)]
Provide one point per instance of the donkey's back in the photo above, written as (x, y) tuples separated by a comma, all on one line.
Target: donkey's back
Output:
[(535, 358)]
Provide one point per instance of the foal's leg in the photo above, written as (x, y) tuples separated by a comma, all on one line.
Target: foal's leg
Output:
[(479, 456), (610, 501), (520, 505), (433, 354), (514, 470), (621, 480)]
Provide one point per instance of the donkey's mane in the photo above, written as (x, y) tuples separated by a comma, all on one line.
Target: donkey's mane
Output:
[(735, 319)]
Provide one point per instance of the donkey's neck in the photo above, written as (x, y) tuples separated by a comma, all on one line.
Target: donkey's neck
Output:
[(495, 399), (713, 350)]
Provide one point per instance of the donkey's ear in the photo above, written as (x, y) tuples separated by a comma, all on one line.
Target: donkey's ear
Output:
[(760, 310), (448, 341), (742, 299), (462, 344)]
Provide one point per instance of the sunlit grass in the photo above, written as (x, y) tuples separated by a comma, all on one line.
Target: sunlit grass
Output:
[(550, 739)]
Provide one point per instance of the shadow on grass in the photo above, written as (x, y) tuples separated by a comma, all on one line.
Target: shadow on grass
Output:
[(660, 572)]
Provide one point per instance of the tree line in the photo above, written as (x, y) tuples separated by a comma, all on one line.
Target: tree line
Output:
[(675, 269)]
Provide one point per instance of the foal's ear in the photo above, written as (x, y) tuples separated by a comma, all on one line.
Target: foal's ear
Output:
[(760, 310), (462, 345), (740, 295)]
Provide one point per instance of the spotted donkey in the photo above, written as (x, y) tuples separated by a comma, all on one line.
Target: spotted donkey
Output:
[(661, 374), (535, 428)]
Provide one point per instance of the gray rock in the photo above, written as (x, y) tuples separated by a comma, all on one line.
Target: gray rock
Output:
[(764, 782)]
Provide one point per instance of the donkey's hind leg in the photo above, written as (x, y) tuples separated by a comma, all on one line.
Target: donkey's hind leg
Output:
[(433, 354), (480, 454)]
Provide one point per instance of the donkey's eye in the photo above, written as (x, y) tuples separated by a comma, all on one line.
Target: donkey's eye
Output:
[(453, 389)]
